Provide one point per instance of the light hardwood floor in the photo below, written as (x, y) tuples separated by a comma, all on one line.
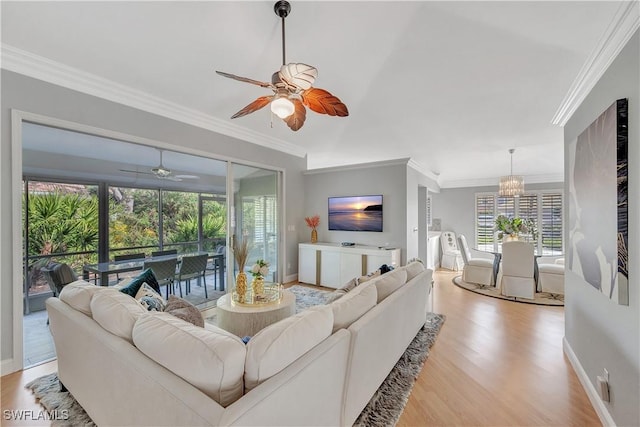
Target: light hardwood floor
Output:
[(495, 363)]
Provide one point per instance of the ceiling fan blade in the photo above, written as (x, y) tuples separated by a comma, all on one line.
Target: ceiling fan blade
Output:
[(244, 79), (254, 106), (321, 101), (298, 75), (296, 120), (171, 178), (187, 176), (132, 171)]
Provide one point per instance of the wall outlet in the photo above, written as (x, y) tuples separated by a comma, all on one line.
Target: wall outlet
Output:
[(603, 388)]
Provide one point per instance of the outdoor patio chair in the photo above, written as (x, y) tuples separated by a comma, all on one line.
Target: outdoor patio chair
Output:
[(127, 257), (165, 272), (165, 252), (192, 267), (58, 275)]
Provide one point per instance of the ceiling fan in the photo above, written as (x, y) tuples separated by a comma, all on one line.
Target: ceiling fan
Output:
[(161, 172), (292, 88)]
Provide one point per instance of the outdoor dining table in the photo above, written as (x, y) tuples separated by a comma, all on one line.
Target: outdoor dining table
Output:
[(104, 269)]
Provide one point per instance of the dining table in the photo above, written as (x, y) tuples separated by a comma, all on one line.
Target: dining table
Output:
[(104, 269)]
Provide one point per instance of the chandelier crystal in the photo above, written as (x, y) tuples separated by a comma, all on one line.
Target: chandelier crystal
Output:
[(511, 185)]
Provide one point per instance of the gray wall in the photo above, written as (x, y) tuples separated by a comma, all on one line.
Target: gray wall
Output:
[(601, 333), (456, 207), (35, 96), (388, 180)]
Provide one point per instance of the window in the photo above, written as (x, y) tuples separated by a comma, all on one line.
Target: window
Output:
[(485, 217), (543, 208)]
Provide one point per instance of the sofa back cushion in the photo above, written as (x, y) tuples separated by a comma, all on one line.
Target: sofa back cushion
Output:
[(413, 269), (116, 312), (388, 283), (278, 345), (78, 295), (353, 305), (211, 359)]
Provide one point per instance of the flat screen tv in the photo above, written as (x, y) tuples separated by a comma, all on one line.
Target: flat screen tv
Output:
[(355, 213)]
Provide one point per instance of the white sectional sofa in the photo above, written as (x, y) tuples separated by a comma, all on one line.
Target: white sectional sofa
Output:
[(127, 366)]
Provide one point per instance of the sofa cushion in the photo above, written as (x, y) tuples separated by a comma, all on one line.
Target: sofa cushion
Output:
[(184, 310), (278, 345), (134, 286), (116, 312), (210, 359), (413, 269), (353, 305), (388, 283), (150, 299), (78, 295)]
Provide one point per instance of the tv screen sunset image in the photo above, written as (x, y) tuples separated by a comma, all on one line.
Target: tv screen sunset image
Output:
[(357, 213)]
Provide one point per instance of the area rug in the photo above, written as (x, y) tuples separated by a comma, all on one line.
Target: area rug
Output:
[(540, 298), (384, 409)]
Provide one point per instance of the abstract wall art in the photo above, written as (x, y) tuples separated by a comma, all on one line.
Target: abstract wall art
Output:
[(598, 208)]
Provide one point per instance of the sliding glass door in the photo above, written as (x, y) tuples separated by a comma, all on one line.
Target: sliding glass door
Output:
[(256, 217)]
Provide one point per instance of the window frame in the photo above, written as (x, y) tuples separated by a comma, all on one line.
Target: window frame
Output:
[(540, 194)]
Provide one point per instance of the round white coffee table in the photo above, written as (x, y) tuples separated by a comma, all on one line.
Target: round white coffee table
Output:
[(245, 320)]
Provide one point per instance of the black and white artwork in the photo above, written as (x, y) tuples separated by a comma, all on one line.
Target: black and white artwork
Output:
[(598, 207)]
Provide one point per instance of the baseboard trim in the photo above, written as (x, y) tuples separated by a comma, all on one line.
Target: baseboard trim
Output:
[(291, 278), (7, 367), (598, 404)]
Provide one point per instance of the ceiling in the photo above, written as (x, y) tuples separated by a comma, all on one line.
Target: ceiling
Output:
[(452, 85)]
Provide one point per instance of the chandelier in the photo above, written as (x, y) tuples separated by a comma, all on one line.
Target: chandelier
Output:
[(511, 185)]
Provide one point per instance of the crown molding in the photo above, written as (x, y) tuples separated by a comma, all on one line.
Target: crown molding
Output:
[(392, 162), (624, 24), (429, 174), (38, 67), (488, 182)]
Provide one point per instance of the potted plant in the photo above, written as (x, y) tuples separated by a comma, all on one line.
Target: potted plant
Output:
[(259, 270), (312, 223)]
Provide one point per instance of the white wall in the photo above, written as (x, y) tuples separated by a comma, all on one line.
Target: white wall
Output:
[(601, 333), (35, 96), (390, 180)]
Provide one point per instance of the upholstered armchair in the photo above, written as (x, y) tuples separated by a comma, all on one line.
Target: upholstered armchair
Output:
[(451, 257), (516, 270), (478, 265), (551, 275)]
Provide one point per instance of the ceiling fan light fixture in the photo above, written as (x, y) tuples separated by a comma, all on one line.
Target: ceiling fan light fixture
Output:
[(282, 107)]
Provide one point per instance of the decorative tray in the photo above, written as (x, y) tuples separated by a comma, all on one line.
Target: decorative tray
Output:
[(272, 294)]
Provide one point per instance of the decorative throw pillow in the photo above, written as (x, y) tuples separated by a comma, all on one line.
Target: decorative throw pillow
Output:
[(340, 292), (150, 299), (184, 310), (134, 286), (370, 276)]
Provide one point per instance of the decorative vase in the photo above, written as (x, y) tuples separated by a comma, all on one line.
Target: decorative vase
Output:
[(314, 235), (258, 286), (241, 286)]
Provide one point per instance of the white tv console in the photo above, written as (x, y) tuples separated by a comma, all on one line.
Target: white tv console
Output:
[(333, 265)]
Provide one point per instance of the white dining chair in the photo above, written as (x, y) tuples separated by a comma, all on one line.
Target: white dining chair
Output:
[(551, 275), (478, 265), (516, 270)]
